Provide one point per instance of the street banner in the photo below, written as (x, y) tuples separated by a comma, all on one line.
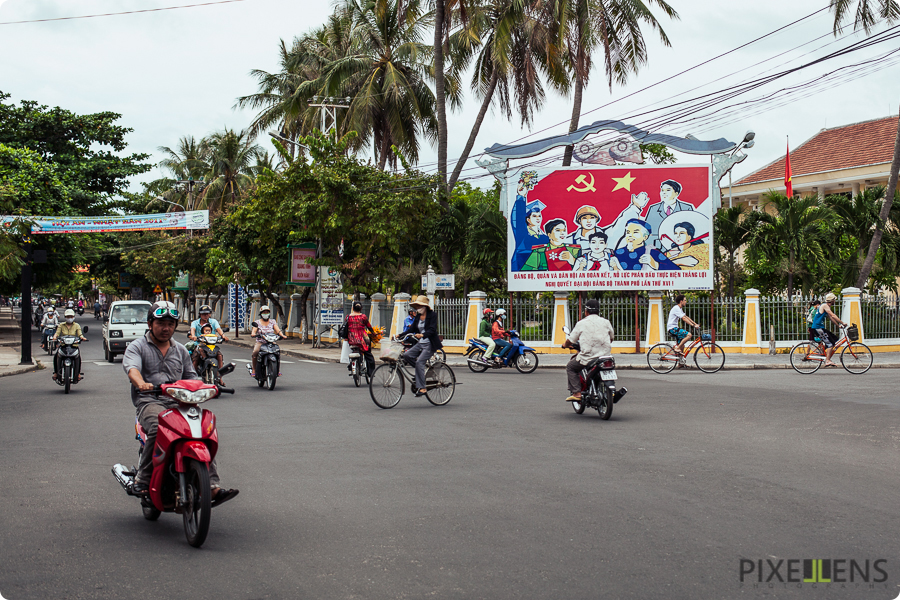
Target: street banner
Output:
[(182, 282), (195, 219), (302, 273), (237, 306), (613, 228), (332, 297)]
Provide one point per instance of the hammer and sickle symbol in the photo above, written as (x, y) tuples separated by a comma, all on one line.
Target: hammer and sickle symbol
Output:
[(588, 187)]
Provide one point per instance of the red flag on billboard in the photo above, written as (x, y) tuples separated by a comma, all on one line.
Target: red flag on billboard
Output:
[(787, 174)]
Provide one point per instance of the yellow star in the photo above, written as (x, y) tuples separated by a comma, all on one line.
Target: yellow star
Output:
[(623, 182)]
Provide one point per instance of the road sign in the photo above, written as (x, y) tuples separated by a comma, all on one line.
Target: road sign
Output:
[(442, 282), (157, 290)]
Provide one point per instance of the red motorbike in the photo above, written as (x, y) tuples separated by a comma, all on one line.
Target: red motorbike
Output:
[(186, 443)]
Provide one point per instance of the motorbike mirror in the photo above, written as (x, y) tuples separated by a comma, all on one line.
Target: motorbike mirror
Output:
[(84, 329), (227, 369), (253, 324), (224, 390), (566, 330)]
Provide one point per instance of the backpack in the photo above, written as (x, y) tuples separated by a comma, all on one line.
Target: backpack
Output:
[(344, 330), (811, 314)]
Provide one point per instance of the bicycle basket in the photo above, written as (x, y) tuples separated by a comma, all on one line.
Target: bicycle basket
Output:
[(853, 333), (391, 352), (706, 335)]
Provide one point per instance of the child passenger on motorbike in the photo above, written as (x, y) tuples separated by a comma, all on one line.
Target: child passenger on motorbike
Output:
[(201, 352)]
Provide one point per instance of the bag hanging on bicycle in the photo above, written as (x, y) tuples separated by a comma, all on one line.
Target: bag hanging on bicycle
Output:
[(853, 333), (344, 330)]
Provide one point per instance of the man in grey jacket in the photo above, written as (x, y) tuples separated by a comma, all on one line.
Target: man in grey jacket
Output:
[(151, 361)]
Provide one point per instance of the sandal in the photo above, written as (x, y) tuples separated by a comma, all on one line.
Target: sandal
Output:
[(221, 496)]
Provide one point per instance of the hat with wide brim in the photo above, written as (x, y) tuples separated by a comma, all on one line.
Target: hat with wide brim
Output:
[(420, 301)]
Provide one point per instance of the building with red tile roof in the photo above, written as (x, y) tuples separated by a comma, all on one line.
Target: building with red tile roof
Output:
[(843, 159)]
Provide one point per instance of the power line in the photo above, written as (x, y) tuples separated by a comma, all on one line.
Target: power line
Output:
[(129, 12)]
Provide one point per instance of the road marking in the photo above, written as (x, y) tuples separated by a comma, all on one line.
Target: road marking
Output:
[(102, 363), (244, 360), (287, 362), (315, 362)]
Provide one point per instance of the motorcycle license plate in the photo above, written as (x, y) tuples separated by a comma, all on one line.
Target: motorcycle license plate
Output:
[(608, 375)]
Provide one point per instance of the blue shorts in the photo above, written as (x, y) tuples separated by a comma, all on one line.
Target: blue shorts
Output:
[(679, 334)]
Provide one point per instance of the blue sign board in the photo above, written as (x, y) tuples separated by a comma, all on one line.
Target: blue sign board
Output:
[(237, 306)]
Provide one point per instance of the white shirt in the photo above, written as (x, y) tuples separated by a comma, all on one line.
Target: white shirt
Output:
[(594, 334), (675, 315)]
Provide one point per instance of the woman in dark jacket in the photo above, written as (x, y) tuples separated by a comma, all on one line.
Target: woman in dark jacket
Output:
[(424, 327)]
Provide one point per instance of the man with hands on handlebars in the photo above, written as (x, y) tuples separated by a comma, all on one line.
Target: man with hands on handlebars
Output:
[(149, 362), (594, 335), (682, 336)]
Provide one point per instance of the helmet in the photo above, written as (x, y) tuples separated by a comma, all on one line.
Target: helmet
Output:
[(162, 310), (592, 306), (501, 312), (264, 308), (205, 309), (69, 313), (51, 310), (487, 311)]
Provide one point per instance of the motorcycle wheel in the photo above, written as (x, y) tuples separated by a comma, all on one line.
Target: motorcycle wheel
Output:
[(477, 368), (67, 375), (151, 513), (606, 405), (211, 376), (356, 366), (271, 375), (578, 407), (526, 362), (197, 504)]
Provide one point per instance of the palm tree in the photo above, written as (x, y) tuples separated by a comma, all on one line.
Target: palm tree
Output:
[(187, 161), (865, 16), (232, 158), (857, 218), (792, 236), (730, 233), (509, 49), (614, 26)]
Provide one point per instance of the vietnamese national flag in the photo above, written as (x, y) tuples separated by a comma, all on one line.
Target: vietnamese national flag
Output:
[(787, 174)]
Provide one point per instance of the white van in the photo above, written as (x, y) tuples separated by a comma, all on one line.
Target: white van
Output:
[(126, 322)]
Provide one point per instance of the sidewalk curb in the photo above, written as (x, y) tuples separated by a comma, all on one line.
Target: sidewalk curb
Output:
[(22, 370)]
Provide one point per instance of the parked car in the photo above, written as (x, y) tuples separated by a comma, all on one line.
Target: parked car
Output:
[(125, 322)]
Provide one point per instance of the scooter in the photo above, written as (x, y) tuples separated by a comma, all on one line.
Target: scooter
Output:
[(598, 385), (208, 369), (520, 356), (268, 362), (68, 361), (50, 345), (80, 310), (186, 444)]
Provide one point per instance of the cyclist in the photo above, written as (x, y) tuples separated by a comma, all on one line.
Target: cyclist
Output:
[(425, 330), (357, 327), (818, 326), (682, 336), (484, 334)]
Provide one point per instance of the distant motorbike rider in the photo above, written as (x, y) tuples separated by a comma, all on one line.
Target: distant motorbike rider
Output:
[(594, 335), (151, 361), (499, 335), (265, 326), (205, 314), (98, 309), (201, 352), (484, 334), (49, 319), (70, 327)]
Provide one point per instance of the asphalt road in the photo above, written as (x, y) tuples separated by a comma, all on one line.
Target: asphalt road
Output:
[(503, 493)]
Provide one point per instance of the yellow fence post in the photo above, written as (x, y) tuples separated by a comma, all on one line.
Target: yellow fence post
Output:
[(401, 307), (655, 323), (851, 311), (560, 317), (476, 306), (752, 323)]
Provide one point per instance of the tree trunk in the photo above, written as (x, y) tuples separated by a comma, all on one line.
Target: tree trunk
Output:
[(439, 92), (731, 274), (576, 109), (882, 216), (475, 129), (790, 287)]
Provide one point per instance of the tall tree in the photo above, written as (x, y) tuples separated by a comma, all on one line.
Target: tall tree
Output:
[(730, 233), (865, 17), (579, 27), (232, 159)]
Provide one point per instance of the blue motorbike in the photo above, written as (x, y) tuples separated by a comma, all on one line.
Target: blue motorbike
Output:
[(520, 356)]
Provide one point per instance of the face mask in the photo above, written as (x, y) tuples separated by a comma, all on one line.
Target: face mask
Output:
[(264, 316), (421, 310), (70, 320)]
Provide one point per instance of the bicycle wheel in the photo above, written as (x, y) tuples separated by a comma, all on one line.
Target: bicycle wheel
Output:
[(661, 358), (856, 358), (709, 357), (386, 386), (800, 358), (440, 383)]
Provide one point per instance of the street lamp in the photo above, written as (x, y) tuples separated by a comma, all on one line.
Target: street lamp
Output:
[(284, 139), (747, 142), (161, 199)]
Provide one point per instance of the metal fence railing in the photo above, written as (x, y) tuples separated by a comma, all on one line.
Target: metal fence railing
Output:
[(728, 318), (531, 316), (452, 314), (786, 316), (880, 316), (620, 311)]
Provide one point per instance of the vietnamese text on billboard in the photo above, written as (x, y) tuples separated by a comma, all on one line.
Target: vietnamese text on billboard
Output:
[(612, 228)]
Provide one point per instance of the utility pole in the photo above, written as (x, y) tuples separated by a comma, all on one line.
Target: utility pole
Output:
[(328, 108)]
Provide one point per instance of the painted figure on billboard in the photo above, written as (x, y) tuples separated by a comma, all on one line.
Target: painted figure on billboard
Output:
[(598, 257), (686, 240), (669, 204), (636, 255), (556, 255)]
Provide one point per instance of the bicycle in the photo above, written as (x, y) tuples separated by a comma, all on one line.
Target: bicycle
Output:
[(856, 357), (387, 386), (708, 356), (359, 366)]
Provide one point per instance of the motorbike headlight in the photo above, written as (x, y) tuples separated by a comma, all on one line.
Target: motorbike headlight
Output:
[(187, 397)]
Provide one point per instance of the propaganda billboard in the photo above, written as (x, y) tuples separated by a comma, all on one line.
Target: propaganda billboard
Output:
[(610, 228)]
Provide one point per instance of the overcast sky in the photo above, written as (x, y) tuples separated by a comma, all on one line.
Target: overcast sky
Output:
[(178, 72)]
